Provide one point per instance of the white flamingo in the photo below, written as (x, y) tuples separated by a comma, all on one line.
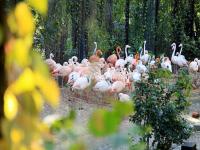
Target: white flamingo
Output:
[(73, 76), (124, 97), (128, 59), (193, 66), (50, 62), (181, 59), (82, 83), (117, 86), (166, 64), (141, 68), (174, 58), (144, 58), (136, 76), (102, 86)]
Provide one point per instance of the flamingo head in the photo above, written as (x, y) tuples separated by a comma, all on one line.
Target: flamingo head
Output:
[(180, 45), (74, 59), (95, 43), (196, 60), (173, 45), (51, 55), (145, 42), (99, 53), (65, 63), (128, 46), (118, 49), (140, 49), (177, 53)]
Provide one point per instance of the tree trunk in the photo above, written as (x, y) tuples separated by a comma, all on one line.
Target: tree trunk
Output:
[(127, 7), (108, 17), (74, 17), (2, 62), (150, 30), (177, 27), (190, 19), (157, 4)]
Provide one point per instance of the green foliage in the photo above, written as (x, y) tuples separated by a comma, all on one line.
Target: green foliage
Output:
[(161, 105), (104, 122)]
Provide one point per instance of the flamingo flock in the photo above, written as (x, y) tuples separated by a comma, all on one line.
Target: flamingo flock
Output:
[(115, 74)]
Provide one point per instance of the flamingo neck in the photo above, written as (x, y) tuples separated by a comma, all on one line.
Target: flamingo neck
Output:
[(126, 52), (181, 50), (50, 56), (174, 47), (95, 49)]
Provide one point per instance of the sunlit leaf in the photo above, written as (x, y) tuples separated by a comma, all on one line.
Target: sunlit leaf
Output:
[(17, 135), (123, 108), (38, 100), (12, 24), (24, 19), (10, 105), (37, 61), (39, 5), (103, 123), (36, 145), (25, 83), (21, 52), (48, 88)]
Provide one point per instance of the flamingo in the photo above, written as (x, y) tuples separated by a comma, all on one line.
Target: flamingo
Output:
[(166, 63), (181, 59), (82, 83), (152, 62), (193, 66), (96, 54), (141, 68), (50, 62), (124, 97), (63, 71), (113, 58), (102, 86), (117, 86), (128, 59), (120, 63), (75, 60), (73, 76), (174, 58), (144, 58), (136, 76), (85, 62)]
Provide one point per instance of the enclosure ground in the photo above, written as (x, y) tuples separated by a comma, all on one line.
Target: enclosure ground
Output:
[(85, 108)]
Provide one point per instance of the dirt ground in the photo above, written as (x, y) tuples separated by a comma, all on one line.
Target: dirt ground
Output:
[(84, 108)]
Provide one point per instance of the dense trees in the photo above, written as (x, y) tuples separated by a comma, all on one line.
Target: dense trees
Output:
[(71, 27)]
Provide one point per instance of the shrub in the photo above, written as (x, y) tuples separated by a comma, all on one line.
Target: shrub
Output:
[(160, 105)]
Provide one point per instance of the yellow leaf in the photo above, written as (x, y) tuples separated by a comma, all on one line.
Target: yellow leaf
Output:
[(12, 23), (40, 5), (25, 82), (38, 100), (16, 135), (10, 105), (24, 19), (48, 88), (21, 53)]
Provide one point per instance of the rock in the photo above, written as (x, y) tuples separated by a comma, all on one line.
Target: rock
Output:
[(195, 114), (189, 146)]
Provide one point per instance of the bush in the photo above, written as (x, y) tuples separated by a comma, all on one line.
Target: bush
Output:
[(160, 105)]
